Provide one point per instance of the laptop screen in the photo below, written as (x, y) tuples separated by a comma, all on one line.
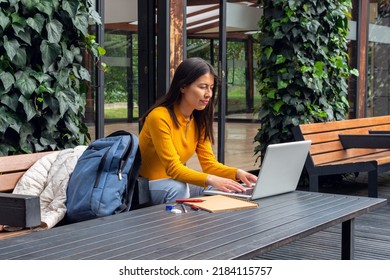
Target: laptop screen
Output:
[(281, 168), (279, 172)]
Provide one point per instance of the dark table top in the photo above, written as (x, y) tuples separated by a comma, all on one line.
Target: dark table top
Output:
[(153, 233)]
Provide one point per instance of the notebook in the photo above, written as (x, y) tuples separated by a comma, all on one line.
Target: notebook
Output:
[(279, 172), (223, 203)]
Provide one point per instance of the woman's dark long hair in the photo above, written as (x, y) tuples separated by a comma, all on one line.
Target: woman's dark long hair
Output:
[(186, 73)]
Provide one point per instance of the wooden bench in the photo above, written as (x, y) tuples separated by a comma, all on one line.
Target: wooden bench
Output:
[(11, 170), (328, 156)]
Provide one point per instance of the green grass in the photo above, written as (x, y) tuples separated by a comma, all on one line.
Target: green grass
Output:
[(118, 113)]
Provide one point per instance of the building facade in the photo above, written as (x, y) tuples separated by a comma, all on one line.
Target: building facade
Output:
[(146, 40)]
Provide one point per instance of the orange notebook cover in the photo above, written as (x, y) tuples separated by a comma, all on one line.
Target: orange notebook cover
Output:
[(220, 203)]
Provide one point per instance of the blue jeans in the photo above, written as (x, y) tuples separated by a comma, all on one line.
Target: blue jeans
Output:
[(168, 190)]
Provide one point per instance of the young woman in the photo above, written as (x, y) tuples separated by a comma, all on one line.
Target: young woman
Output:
[(179, 125)]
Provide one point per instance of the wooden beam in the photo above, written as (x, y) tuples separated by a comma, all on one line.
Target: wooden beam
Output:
[(203, 27), (176, 37), (208, 2), (214, 35), (123, 26), (203, 20), (362, 47), (202, 11)]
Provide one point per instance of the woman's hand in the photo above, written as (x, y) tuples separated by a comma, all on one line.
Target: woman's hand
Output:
[(247, 178), (224, 184)]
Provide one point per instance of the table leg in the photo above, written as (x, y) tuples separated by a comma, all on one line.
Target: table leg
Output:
[(348, 240)]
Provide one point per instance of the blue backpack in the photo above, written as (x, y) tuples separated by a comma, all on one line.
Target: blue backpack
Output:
[(104, 178)]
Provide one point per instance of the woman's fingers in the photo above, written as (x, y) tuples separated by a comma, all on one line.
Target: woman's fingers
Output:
[(233, 186)]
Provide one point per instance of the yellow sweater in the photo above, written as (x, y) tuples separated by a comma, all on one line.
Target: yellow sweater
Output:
[(166, 148)]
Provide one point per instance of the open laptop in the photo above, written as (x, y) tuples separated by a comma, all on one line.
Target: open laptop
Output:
[(279, 172)]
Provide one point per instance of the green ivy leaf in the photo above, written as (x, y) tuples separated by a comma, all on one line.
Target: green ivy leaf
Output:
[(46, 139), (7, 79), (46, 6), (84, 74), (52, 120), (26, 137), (25, 36), (75, 71), (12, 3), (282, 84), (66, 101), (101, 51), (25, 84), (354, 72), (20, 57), (10, 101), (95, 15), (40, 77), (280, 59), (29, 4), (70, 7), (54, 31), (271, 93), (41, 90), (67, 56), (18, 22), (28, 107), (49, 52), (63, 77), (81, 23), (305, 69), (4, 119), (36, 23), (278, 105), (4, 20), (318, 69), (11, 47), (72, 126)]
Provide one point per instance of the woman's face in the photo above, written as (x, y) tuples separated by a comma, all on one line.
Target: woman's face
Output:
[(197, 95)]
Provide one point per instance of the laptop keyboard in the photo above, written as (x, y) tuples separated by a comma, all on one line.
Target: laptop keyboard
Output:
[(248, 191)]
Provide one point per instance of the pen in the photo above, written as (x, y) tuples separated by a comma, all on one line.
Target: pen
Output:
[(189, 200), (184, 208)]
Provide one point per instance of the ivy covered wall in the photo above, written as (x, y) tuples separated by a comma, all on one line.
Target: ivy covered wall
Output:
[(303, 66)]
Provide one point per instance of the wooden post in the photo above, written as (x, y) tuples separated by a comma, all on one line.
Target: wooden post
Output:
[(177, 35), (362, 58)]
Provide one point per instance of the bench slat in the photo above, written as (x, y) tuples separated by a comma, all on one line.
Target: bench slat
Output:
[(13, 167), (385, 159), (321, 148), (326, 136), (19, 162), (338, 158), (8, 181), (345, 124)]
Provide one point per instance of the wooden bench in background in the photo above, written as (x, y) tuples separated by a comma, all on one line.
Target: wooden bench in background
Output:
[(11, 170), (328, 156)]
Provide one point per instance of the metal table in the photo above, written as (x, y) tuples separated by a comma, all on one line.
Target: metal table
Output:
[(153, 233)]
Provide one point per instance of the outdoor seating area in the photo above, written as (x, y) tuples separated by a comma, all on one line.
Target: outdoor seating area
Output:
[(372, 226), (239, 75)]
